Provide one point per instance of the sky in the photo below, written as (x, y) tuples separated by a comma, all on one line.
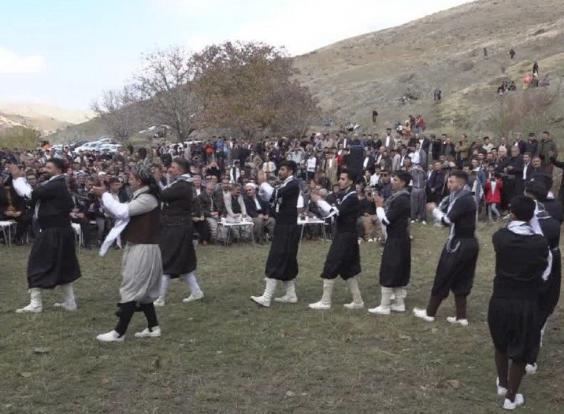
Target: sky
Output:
[(67, 52)]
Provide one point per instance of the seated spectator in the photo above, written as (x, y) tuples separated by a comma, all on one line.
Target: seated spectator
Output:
[(259, 211)]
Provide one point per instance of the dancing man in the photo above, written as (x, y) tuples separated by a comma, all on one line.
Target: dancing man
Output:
[(395, 268), (457, 264), (513, 313), (344, 256), (52, 261), (138, 225), (176, 235), (282, 262), (545, 225)]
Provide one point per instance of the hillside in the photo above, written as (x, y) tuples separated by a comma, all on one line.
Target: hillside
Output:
[(45, 118), (446, 50)]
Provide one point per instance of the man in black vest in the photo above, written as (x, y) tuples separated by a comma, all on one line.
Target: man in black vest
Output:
[(344, 256), (395, 268), (513, 313), (176, 238), (457, 264), (282, 262), (52, 261)]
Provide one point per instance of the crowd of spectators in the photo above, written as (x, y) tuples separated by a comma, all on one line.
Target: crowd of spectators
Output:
[(224, 175)]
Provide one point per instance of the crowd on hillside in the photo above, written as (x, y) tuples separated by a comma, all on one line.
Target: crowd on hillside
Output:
[(224, 175)]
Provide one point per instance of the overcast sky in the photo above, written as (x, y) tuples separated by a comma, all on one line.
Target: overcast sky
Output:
[(66, 52)]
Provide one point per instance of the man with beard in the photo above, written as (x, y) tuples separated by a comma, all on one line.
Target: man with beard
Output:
[(282, 262), (52, 261), (137, 222), (395, 269), (177, 234), (457, 264), (344, 256)]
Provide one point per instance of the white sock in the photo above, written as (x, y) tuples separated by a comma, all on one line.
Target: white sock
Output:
[(192, 281), (69, 293), (165, 281)]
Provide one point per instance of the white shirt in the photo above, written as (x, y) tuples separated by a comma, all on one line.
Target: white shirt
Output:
[(311, 164)]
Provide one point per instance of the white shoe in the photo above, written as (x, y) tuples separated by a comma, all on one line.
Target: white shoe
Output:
[(422, 314), (412, 221), (31, 308), (193, 297), (266, 297), (286, 299), (531, 369), (453, 320), (159, 302), (354, 305), (146, 333), (380, 310), (370, 240), (111, 336), (319, 306), (424, 222), (35, 303), (290, 295), (397, 308), (261, 300), (519, 400), (501, 391), (70, 306)]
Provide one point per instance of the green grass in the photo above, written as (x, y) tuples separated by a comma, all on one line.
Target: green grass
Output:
[(224, 355)]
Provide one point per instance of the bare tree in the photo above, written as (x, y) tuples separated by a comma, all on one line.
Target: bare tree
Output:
[(166, 90), (118, 111)]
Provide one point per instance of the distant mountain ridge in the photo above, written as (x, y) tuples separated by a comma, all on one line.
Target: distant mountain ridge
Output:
[(45, 118)]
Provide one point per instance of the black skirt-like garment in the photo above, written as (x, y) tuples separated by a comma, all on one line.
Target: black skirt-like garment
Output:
[(514, 327), (282, 262), (52, 261), (455, 271), (177, 250), (343, 257), (395, 268)]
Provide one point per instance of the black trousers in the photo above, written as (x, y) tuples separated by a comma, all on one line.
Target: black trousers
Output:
[(126, 311)]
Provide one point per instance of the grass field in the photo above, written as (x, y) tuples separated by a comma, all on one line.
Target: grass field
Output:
[(225, 355)]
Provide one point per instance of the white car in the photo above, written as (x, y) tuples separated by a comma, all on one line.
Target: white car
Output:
[(111, 148), (89, 146)]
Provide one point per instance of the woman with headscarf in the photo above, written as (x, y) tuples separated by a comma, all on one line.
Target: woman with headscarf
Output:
[(137, 222)]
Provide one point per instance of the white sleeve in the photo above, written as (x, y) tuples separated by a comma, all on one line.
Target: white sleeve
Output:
[(22, 187), (326, 209), (265, 191), (548, 269), (141, 205), (301, 201), (118, 210), (381, 214), (441, 217)]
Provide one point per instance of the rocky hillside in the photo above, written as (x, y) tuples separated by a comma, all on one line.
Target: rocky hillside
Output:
[(463, 51)]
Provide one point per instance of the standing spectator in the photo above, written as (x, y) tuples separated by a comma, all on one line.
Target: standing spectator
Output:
[(494, 190)]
